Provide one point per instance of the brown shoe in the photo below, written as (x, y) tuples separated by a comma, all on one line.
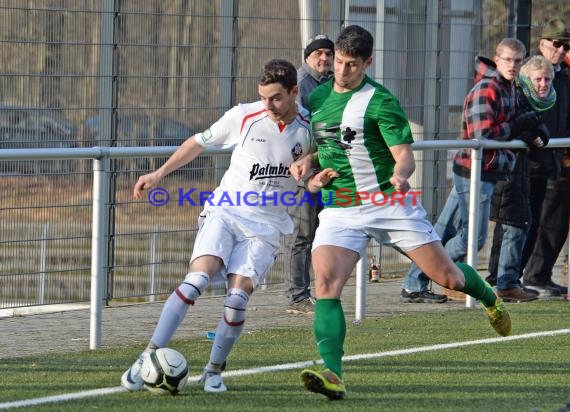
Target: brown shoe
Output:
[(516, 295)]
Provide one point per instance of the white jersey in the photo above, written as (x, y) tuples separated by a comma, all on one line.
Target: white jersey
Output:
[(257, 183)]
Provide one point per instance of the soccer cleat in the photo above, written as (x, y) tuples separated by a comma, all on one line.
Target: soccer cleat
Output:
[(132, 379), (325, 382), (213, 382), (499, 318)]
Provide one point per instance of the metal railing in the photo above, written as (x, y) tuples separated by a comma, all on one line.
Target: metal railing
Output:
[(101, 157)]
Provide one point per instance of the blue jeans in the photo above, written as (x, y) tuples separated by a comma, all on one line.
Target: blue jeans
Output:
[(452, 226), (509, 270)]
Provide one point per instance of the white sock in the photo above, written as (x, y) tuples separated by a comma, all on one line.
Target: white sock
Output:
[(229, 328), (176, 307)]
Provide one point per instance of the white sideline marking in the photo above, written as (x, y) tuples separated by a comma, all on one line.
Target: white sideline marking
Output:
[(42, 309), (61, 398), (287, 366)]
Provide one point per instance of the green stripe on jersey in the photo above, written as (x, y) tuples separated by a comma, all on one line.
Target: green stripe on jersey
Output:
[(354, 131)]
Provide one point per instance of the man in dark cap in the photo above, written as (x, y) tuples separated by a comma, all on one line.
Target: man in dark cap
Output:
[(316, 69), (550, 173), (317, 66)]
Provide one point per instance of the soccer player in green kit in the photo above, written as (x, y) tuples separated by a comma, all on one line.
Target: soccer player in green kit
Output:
[(365, 160)]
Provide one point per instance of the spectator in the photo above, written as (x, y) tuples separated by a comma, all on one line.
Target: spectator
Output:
[(550, 174), (364, 147), (238, 237), (510, 205), (315, 70), (488, 113)]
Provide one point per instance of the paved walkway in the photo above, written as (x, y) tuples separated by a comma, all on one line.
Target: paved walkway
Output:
[(68, 330), (67, 327)]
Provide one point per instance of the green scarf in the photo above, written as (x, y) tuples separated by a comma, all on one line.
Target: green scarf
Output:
[(535, 101)]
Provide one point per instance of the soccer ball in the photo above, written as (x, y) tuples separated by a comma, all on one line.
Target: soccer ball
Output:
[(165, 372)]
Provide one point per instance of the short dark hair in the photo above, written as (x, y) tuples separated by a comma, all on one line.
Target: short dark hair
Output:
[(279, 71), (355, 41)]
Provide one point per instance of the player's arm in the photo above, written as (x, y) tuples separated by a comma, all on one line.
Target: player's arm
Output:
[(303, 167), (187, 152), (404, 167), (320, 179)]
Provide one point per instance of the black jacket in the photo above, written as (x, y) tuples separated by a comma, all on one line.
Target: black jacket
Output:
[(510, 203)]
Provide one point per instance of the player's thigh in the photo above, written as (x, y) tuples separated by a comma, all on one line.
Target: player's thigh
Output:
[(214, 238), (434, 261), (206, 263), (336, 249), (333, 266), (253, 256)]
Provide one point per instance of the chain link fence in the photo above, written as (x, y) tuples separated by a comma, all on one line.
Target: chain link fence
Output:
[(131, 73)]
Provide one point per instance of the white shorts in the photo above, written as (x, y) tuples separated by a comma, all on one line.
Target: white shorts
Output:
[(247, 248), (353, 227)]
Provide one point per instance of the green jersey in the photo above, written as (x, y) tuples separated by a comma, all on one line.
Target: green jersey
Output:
[(354, 131)]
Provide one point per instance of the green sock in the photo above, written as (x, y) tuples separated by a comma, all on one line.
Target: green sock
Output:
[(329, 327), (476, 287)]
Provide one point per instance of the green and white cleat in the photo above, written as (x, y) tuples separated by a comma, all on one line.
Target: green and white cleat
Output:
[(325, 382), (499, 318)]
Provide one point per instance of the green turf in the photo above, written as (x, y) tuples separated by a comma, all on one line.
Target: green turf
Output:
[(519, 375)]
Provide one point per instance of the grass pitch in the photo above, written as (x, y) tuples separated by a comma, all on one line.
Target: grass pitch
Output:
[(527, 374)]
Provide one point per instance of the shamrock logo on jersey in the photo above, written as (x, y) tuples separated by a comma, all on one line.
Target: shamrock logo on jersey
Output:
[(348, 135)]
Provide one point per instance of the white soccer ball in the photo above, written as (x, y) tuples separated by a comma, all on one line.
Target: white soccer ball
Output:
[(165, 372)]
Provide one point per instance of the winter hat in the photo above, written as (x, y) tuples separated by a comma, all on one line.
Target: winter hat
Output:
[(555, 29), (320, 41)]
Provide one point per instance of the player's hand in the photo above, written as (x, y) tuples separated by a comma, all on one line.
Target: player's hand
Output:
[(300, 168), (321, 179), (145, 182), (400, 183)]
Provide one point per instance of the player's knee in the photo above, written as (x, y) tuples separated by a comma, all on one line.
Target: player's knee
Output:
[(194, 284), (235, 307)]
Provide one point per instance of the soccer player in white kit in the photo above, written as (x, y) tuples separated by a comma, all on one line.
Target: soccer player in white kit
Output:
[(244, 218)]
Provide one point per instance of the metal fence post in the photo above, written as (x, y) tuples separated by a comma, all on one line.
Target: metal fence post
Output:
[(100, 169), (43, 265), (153, 262), (473, 229), (360, 298)]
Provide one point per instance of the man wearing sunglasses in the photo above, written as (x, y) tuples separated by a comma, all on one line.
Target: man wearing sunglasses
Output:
[(550, 173), (557, 44)]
